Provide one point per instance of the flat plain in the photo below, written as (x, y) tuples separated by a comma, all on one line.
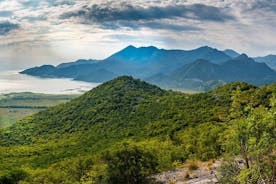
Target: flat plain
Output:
[(15, 106)]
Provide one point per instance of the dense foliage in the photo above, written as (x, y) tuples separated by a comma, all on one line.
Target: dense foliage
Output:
[(125, 130), (130, 165)]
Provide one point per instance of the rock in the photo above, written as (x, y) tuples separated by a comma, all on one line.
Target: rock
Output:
[(202, 175)]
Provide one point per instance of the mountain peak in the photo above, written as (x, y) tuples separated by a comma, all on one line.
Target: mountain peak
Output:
[(205, 47), (149, 47), (243, 57), (125, 79), (44, 70), (126, 84), (270, 55), (130, 47), (133, 54), (231, 53)]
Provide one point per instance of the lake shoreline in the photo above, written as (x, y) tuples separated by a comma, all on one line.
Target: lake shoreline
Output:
[(11, 81)]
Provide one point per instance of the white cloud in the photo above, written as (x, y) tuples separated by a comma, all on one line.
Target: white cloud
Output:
[(42, 33)]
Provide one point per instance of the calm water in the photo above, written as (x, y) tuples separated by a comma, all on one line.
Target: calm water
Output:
[(12, 81)]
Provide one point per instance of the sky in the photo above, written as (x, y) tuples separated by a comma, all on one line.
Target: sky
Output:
[(36, 32)]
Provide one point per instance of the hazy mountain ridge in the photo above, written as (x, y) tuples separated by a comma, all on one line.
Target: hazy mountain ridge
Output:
[(140, 62), (231, 53), (163, 67), (202, 73), (78, 62), (270, 60)]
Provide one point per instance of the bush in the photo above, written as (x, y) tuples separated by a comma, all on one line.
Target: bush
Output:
[(130, 166), (13, 177), (228, 170), (192, 166)]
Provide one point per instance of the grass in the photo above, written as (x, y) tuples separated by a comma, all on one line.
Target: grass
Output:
[(192, 165), (15, 106)]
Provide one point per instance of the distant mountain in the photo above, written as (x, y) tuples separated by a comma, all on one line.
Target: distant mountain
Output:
[(78, 62), (231, 53), (208, 53), (202, 72), (140, 62), (143, 55), (270, 60), (246, 69), (196, 76), (133, 55), (100, 75), (42, 71), (200, 69)]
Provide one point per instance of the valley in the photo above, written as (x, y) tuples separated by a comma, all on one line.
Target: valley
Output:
[(16, 106)]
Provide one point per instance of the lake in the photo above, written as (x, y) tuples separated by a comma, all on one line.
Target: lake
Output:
[(13, 81)]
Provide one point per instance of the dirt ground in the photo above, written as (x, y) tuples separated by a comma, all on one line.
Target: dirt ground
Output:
[(191, 173)]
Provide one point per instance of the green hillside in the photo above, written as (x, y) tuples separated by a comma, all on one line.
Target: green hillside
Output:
[(125, 130)]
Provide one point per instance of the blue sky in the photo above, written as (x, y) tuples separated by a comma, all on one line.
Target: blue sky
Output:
[(34, 32)]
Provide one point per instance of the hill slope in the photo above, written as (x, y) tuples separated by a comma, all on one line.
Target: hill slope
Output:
[(54, 144)]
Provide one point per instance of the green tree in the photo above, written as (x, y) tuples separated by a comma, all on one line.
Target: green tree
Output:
[(253, 138), (13, 177), (130, 165)]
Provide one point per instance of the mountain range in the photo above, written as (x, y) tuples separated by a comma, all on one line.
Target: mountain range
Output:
[(200, 69), (270, 60), (201, 72)]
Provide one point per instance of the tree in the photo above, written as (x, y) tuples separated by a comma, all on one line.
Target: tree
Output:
[(253, 138), (13, 177), (130, 165)]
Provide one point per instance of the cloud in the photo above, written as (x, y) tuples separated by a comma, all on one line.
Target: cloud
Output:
[(170, 26), (6, 27), (6, 13), (60, 2), (266, 5), (30, 3), (127, 15), (35, 18), (96, 28), (50, 3)]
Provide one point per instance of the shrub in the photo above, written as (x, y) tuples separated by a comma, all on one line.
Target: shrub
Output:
[(228, 170), (130, 166), (192, 166), (13, 177)]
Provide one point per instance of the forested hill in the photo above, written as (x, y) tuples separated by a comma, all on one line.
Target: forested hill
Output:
[(92, 137)]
